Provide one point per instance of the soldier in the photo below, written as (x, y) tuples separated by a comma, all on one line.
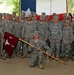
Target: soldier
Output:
[(6, 27), (68, 37), (37, 56), (10, 17), (35, 21), (47, 22), (42, 28), (55, 33), (1, 34), (63, 21), (51, 20), (32, 15), (17, 32), (27, 31), (22, 23), (72, 25), (22, 16), (13, 15)]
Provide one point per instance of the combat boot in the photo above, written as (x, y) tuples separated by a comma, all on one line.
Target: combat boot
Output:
[(41, 66), (24, 56)]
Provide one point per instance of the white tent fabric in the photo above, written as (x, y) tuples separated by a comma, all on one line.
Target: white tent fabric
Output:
[(50, 6)]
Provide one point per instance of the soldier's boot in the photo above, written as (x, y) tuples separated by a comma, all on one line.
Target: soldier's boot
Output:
[(24, 56), (72, 58), (3, 57), (41, 66), (66, 59)]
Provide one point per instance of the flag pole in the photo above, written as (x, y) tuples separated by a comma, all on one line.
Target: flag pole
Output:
[(42, 51)]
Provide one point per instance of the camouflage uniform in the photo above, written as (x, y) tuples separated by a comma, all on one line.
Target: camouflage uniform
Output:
[(43, 28), (22, 23), (55, 31), (68, 37), (6, 27), (17, 33), (36, 23), (1, 36), (27, 32), (72, 25), (37, 56)]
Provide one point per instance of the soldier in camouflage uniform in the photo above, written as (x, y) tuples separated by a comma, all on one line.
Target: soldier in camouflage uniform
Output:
[(13, 16), (63, 21), (72, 25), (27, 31), (17, 32), (55, 33), (23, 22), (6, 27), (37, 56), (35, 21), (68, 37), (42, 28), (1, 34)]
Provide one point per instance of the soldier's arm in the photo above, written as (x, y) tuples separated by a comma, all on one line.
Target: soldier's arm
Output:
[(48, 49), (72, 35), (31, 47), (60, 32)]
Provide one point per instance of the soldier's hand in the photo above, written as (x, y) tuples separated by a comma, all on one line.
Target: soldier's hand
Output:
[(22, 38), (47, 52), (32, 46)]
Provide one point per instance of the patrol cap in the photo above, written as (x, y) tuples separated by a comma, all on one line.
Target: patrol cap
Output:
[(54, 14), (35, 14), (67, 21), (36, 33), (29, 16), (32, 12), (68, 17), (22, 13), (65, 15), (55, 17), (43, 13), (42, 17)]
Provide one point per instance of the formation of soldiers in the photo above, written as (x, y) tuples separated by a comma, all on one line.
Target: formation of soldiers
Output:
[(54, 36)]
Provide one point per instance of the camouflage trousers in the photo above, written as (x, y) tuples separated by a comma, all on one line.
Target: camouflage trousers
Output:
[(55, 46), (36, 58), (66, 50), (25, 46)]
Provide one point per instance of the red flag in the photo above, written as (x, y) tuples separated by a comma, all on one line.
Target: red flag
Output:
[(10, 42)]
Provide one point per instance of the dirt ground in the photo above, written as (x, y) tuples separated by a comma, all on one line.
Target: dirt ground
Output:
[(18, 66)]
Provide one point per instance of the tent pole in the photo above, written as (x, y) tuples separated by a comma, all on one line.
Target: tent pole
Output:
[(67, 6), (19, 7), (50, 7)]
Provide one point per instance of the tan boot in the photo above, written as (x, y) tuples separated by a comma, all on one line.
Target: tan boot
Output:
[(4, 58), (41, 66), (24, 56), (66, 59)]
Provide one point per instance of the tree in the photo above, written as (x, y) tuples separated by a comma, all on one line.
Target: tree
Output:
[(71, 6), (16, 6)]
